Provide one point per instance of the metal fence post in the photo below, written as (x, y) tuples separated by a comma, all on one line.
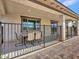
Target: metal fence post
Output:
[(1, 40), (44, 35)]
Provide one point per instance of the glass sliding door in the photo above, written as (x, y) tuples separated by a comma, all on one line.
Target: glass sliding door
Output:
[(71, 28), (54, 26), (30, 24), (74, 28)]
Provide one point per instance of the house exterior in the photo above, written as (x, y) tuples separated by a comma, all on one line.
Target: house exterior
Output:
[(46, 13)]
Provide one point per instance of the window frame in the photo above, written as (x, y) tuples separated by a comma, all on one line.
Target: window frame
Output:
[(35, 19), (51, 25)]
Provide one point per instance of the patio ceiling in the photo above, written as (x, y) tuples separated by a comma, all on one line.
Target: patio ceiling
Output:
[(33, 10), (24, 10), (56, 6)]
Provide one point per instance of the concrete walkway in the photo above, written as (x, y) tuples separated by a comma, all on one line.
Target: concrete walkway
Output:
[(68, 49)]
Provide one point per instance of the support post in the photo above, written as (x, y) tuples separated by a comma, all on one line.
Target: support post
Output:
[(2, 7), (0, 39), (78, 28), (63, 29)]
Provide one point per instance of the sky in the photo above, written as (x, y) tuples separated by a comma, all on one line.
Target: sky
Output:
[(72, 4)]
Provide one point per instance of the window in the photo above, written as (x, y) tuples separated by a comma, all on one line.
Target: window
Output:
[(54, 26), (30, 23)]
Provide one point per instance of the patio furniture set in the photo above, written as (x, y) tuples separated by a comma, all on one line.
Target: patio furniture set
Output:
[(28, 37)]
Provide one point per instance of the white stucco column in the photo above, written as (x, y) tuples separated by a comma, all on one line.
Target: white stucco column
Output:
[(2, 8), (78, 28), (63, 28)]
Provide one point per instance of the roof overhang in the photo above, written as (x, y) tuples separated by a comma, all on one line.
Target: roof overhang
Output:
[(53, 4)]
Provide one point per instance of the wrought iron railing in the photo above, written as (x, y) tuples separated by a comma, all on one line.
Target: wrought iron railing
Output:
[(17, 41)]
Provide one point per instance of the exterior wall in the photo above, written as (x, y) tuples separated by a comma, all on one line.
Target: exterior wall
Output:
[(28, 8), (17, 8), (11, 19), (10, 29), (45, 22), (2, 8), (37, 6), (34, 5), (17, 19)]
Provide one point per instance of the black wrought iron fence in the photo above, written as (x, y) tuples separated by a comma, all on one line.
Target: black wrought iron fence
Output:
[(21, 39), (71, 31)]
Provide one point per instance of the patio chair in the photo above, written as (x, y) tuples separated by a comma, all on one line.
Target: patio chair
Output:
[(1, 41), (19, 39), (31, 37), (38, 36)]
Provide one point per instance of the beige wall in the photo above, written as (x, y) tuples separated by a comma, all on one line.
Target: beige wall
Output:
[(14, 10), (28, 8), (45, 22), (17, 8), (2, 8), (11, 19)]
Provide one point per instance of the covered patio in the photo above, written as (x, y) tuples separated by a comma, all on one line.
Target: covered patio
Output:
[(27, 26), (40, 37)]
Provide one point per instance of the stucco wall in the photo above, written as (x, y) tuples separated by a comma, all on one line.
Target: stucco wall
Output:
[(10, 19), (11, 28), (2, 8), (15, 9)]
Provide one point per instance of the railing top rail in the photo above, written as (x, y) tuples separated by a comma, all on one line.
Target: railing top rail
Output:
[(26, 24)]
